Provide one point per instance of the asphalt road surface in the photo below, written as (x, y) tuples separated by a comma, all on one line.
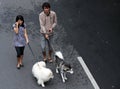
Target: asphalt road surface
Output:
[(89, 29)]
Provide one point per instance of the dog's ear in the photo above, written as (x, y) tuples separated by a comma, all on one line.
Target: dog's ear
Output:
[(56, 56), (67, 64), (59, 55)]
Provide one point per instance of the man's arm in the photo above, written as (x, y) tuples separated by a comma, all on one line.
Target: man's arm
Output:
[(43, 27), (42, 23), (55, 21)]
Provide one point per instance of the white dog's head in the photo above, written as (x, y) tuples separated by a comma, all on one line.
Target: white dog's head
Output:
[(41, 73), (51, 75), (42, 64)]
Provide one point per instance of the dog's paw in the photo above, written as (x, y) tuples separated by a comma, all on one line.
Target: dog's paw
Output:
[(57, 71), (43, 85), (65, 78)]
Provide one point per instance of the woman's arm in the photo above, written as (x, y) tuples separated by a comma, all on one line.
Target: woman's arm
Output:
[(26, 36), (16, 28)]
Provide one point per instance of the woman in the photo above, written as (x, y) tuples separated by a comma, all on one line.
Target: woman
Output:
[(20, 39)]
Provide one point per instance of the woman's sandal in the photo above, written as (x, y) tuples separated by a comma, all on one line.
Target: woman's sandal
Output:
[(21, 65), (18, 66)]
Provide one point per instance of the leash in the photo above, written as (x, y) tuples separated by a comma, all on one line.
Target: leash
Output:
[(35, 58), (51, 46), (31, 50), (52, 49)]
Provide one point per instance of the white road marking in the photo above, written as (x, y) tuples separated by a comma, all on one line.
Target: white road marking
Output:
[(87, 71)]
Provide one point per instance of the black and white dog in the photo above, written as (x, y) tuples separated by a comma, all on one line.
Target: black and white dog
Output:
[(61, 66)]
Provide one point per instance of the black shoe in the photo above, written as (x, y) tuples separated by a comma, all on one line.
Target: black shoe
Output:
[(18, 66), (21, 65)]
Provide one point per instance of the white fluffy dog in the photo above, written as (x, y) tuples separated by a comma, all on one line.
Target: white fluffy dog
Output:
[(41, 73)]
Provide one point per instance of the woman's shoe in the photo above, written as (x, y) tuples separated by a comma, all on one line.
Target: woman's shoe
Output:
[(18, 66), (21, 65)]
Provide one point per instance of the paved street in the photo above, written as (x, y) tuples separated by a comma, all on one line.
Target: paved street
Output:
[(89, 29)]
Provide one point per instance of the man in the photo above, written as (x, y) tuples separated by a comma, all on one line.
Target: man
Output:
[(48, 21)]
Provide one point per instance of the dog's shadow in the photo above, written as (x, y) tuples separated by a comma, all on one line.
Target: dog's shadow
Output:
[(34, 81)]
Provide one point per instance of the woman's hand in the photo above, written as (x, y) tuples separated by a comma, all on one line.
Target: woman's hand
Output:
[(16, 28), (27, 41), (16, 24)]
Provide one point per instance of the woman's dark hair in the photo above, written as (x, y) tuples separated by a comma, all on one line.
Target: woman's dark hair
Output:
[(20, 17), (45, 4)]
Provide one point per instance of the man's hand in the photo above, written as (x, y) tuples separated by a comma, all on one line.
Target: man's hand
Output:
[(50, 30), (46, 36)]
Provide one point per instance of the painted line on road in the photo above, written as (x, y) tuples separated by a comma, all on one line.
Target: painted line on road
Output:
[(87, 71)]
